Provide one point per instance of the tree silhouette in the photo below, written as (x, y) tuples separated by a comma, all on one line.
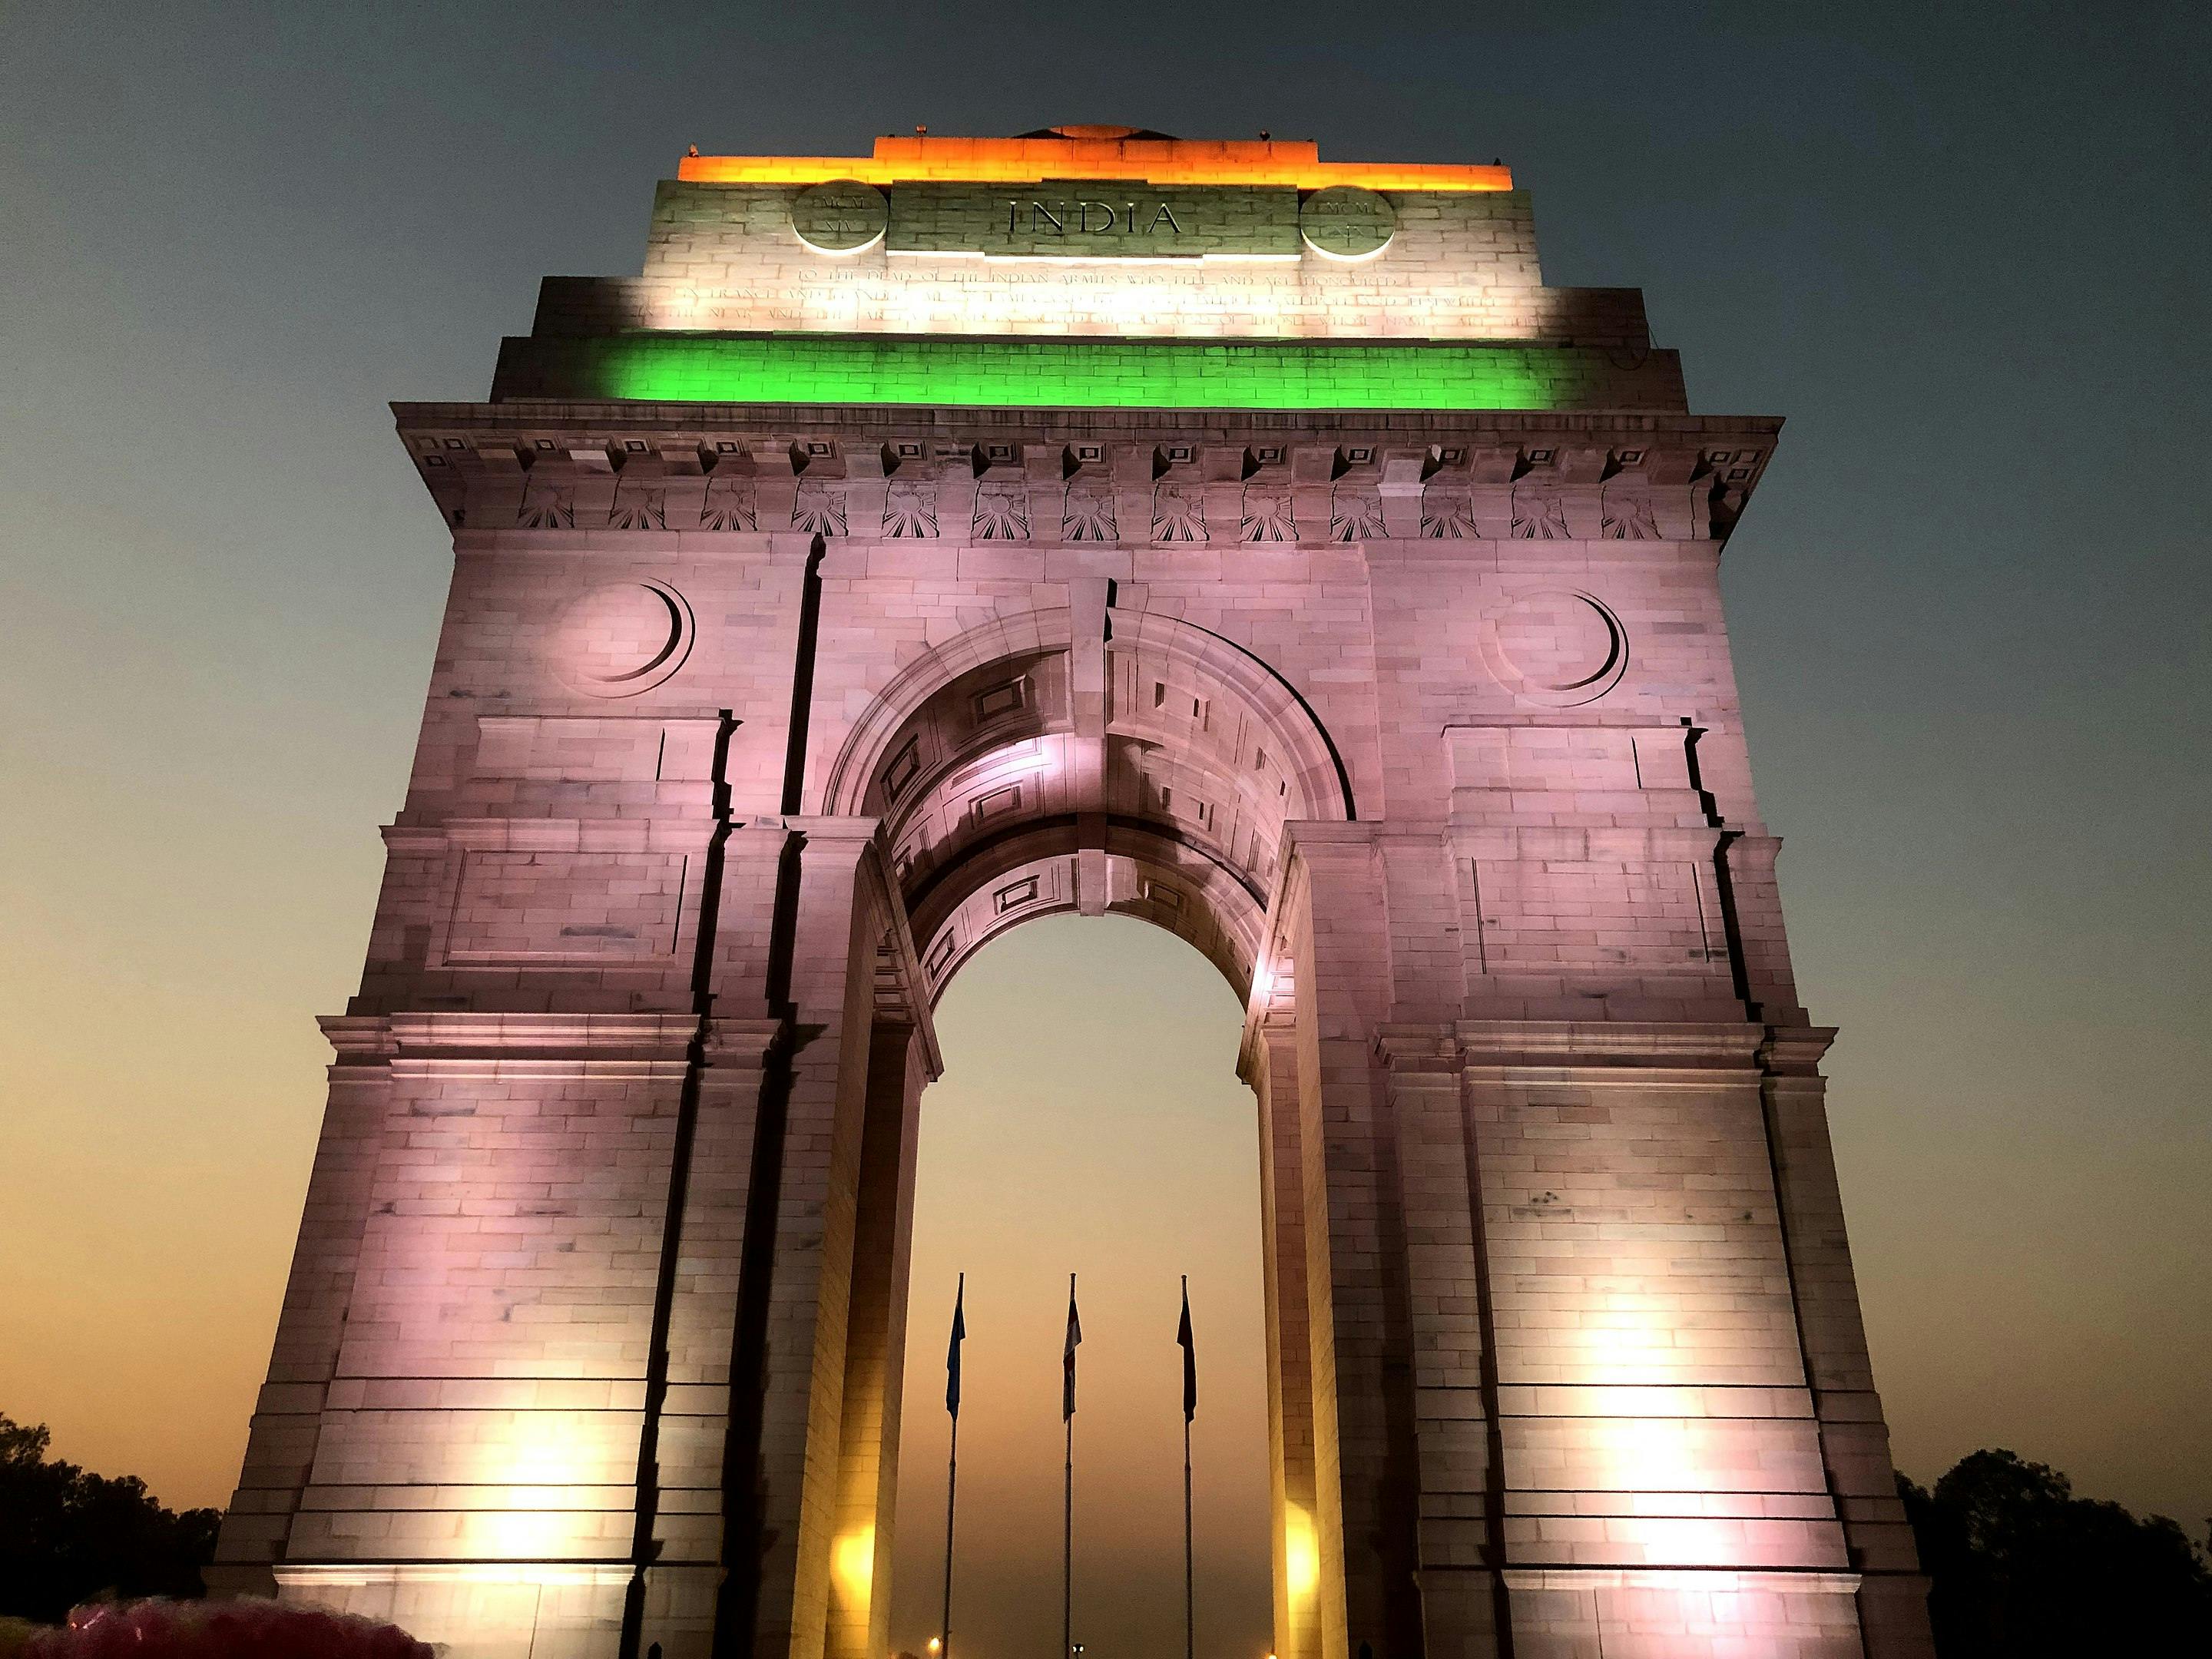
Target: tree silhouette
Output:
[(2022, 1569), (68, 1536)]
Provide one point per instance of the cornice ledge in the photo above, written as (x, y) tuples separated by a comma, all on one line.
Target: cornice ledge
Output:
[(456, 1034), (633, 416), (666, 832), (357, 1037), (1602, 1044), (1796, 1050), (1705, 1580), (1418, 1047)]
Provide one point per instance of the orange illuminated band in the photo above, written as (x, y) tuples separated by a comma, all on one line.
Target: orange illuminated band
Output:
[(1150, 161)]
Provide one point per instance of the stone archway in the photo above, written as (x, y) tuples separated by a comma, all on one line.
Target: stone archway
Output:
[(1100, 760)]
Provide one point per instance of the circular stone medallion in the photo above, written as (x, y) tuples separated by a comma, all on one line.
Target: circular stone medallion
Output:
[(1346, 222), (843, 217), (1556, 647), (622, 638)]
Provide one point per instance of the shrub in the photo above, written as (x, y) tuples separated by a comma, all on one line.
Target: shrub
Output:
[(218, 1630)]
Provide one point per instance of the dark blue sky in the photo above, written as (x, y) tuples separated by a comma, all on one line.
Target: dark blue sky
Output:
[(1963, 249)]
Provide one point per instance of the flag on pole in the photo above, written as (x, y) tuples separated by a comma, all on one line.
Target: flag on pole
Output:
[(952, 1349), (1068, 1356), (1189, 1356)]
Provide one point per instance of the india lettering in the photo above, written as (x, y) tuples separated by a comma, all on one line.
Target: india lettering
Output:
[(1088, 217)]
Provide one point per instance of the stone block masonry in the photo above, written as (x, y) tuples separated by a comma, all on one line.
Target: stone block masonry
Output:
[(819, 615)]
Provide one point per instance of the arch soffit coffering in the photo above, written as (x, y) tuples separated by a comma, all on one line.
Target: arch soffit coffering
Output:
[(1154, 866), (869, 745), (1324, 780), (1031, 873)]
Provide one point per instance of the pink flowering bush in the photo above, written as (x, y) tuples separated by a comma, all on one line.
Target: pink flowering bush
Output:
[(218, 1630)]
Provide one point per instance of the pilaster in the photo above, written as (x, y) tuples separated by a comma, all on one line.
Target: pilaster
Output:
[(875, 1347), (1660, 1446), (1364, 1426), (686, 1467), (287, 1412), (1294, 1502), (788, 1374), (1457, 1488), (1854, 1438)]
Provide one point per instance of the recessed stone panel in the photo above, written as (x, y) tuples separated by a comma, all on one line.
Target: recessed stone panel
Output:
[(1598, 916), (565, 908)]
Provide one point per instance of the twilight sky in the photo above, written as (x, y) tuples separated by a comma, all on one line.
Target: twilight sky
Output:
[(1962, 248)]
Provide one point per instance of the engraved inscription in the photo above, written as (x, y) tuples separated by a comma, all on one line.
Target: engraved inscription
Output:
[(841, 216), (1346, 222), (1088, 219)]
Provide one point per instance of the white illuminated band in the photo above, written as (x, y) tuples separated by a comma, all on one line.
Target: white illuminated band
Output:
[(1374, 253)]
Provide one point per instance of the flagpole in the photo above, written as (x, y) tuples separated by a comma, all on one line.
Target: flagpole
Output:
[(951, 1462), (1067, 1493), (1067, 1551), (951, 1482), (1189, 1578), (1190, 1602)]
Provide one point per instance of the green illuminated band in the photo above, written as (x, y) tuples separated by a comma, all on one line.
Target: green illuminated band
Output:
[(792, 368)]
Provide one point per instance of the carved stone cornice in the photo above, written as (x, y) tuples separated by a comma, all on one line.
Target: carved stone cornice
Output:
[(1414, 482)]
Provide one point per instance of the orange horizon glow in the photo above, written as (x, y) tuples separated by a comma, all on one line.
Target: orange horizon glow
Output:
[(1295, 162)]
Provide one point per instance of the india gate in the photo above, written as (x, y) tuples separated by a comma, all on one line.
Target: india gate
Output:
[(1098, 522)]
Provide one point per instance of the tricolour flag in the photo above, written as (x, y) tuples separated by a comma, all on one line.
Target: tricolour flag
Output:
[(1189, 1356), (952, 1349), (1067, 1355)]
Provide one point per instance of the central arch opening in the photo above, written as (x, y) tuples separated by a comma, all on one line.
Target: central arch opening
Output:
[(1084, 771), (1089, 1119)]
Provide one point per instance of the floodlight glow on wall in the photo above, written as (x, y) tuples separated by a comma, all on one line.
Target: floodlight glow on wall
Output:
[(852, 1561), (1301, 1554)]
